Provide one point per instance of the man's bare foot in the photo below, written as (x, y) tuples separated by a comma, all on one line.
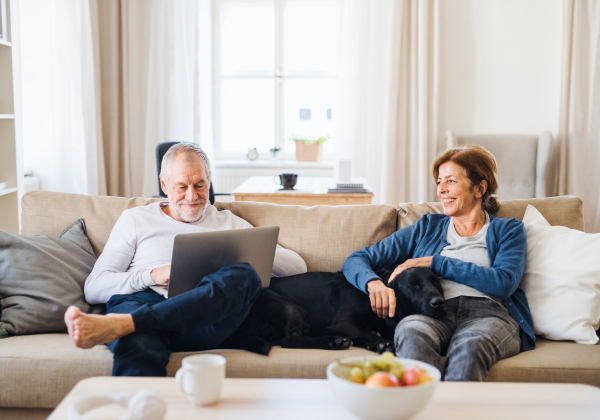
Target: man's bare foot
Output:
[(87, 330)]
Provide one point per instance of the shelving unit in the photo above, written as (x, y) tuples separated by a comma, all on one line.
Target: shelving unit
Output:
[(5, 191), (11, 156)]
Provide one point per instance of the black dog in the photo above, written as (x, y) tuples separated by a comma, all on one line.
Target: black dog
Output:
[(323, 311)]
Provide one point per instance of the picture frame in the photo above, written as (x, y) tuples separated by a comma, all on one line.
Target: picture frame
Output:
[(3, 21)]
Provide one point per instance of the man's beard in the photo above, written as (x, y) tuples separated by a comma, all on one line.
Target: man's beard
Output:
[(191, 215)]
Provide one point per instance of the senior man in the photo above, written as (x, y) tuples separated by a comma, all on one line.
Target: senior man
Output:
[(142, 327)]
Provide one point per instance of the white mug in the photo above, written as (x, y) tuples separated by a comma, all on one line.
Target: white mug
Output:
[(201, 378)]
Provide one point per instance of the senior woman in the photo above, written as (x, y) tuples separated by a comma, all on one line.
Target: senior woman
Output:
[(481, 259)]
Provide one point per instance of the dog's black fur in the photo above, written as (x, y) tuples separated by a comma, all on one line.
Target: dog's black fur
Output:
[(321, 310)]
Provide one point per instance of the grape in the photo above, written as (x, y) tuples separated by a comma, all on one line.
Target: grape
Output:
[(369, 368), (356, 375), (382, 364)]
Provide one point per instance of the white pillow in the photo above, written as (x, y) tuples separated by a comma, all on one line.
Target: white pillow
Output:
[(562, 280)]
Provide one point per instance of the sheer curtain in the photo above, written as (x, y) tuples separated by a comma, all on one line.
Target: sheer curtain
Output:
[(388, 95), (579, 125), (59, 105), (173, 108)]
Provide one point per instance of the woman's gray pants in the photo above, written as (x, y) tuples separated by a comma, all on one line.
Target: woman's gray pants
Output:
[(475, 333)]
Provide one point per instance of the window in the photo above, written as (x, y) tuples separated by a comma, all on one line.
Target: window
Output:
[(275, 74)]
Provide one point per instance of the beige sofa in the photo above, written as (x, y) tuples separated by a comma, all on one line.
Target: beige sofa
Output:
[(37, 371)]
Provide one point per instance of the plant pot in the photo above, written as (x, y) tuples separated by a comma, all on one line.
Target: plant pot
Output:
[(312, 152)]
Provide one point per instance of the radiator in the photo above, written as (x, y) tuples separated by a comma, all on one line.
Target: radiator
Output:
[(227, 182), (32, 183)]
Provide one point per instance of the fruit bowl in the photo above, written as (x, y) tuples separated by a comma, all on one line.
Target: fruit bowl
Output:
[(382, 403)]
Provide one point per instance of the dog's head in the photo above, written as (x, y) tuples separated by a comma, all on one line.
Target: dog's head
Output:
[(418, 291)]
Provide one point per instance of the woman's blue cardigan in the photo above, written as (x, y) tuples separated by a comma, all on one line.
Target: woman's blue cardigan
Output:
[(506, 241)]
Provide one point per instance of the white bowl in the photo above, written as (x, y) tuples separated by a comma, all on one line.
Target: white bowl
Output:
[(384, 403)]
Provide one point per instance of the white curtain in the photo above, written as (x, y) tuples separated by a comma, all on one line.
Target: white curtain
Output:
[(388, 95), (173, 104), (59, 109), (579, 125)]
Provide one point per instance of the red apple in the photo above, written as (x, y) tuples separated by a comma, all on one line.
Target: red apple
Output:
[(411, 377), (379, 379)]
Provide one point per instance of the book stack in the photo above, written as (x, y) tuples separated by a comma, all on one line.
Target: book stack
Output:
[(348, 187)]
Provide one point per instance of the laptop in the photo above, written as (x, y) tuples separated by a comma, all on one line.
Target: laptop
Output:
[(196, 255)]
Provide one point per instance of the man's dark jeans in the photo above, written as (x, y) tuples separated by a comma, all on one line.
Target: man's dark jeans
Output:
[(200, 319), (475, 333)]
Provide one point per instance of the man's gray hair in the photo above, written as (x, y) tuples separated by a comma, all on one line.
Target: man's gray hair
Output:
[(191, 152)]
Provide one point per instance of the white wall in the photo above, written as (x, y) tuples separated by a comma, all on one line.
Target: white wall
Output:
[(500, 66)]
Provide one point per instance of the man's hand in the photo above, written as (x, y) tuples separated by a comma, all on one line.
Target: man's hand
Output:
[(383, 299), (413, 262), (161, 275)]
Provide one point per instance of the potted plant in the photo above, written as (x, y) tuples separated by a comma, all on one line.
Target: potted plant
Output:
[(309, 150)]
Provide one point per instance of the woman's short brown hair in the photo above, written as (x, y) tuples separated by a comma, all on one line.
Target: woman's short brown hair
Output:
[(480, 165)]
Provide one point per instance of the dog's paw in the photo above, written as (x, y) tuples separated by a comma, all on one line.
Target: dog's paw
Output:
[(339, 343), (386, 346), (381, 345)]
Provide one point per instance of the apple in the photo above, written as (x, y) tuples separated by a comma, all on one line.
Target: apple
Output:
[(379, 379), (411, 377)]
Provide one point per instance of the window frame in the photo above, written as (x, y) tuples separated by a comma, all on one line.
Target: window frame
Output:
[(278, 75)]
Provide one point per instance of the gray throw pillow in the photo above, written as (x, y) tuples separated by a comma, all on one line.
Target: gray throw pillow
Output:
[(40, 276)]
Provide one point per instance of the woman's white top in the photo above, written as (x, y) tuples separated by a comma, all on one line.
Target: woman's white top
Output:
[(471, 249)]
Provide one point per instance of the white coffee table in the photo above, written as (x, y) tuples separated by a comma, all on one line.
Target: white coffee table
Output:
[(311, 399)]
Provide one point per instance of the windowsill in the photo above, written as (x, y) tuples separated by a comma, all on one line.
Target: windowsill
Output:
[(275, 164)]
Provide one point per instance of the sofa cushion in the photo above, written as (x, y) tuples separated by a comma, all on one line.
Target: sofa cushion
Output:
[(562, 280), (559, 211), (323, 235), (47, 213), (40, 276), (280, 363), (551, 361), (39, 370)]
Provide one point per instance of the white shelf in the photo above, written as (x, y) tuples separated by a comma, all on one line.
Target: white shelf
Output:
[(11, 154), (6, 191)]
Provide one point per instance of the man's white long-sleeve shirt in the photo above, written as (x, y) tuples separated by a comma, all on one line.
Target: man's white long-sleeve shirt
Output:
[(142, 240)]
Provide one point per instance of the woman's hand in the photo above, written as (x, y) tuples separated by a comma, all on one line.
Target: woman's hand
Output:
[(413, 262), (383, 299)]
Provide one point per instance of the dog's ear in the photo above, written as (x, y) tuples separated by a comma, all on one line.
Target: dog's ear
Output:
[(435, 280)]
